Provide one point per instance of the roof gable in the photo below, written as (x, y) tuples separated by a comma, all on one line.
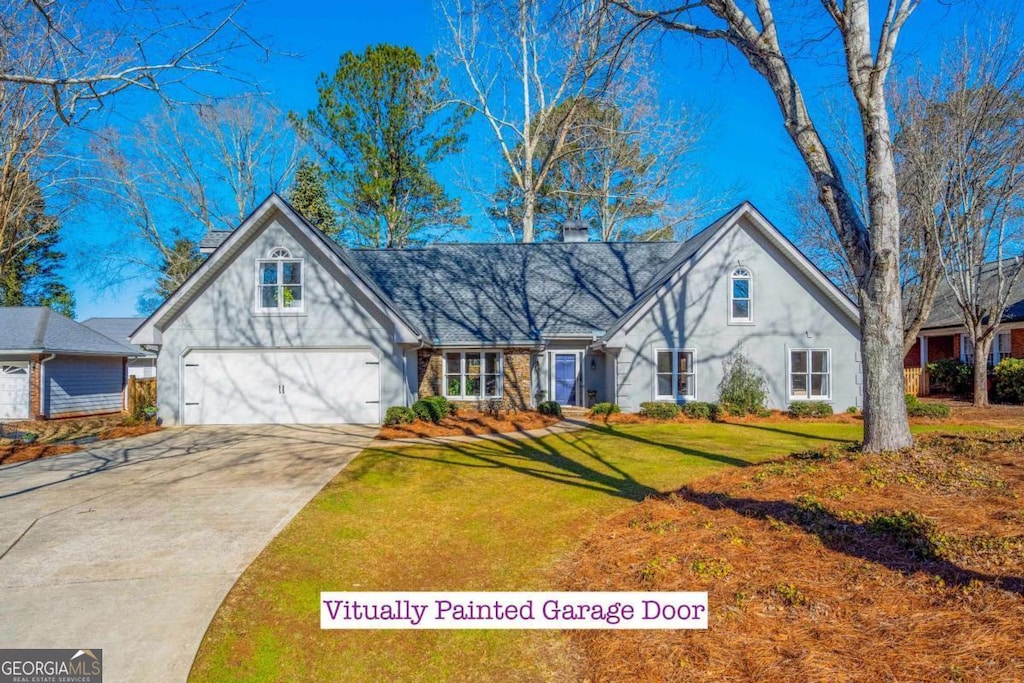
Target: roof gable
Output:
[(230, 248), (706, 239)]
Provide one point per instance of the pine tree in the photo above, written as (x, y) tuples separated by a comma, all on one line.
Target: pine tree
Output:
[(310, 197), (379, 127)]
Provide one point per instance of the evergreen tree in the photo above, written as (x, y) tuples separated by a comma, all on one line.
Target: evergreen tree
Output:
[(309, 195), (29, 257), (379, 127), (177, 265)]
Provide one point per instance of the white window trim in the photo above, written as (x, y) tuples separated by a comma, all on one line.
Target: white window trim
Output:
[(463, 396), (789, 375), (997, 356), (257, 299), (749, 320), (675, 375)]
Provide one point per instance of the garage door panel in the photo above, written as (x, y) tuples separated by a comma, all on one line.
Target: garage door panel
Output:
[(281, 387), (14, 391)]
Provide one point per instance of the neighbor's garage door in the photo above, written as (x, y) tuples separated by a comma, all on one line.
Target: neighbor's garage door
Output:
[(13, 390), (281, 387)]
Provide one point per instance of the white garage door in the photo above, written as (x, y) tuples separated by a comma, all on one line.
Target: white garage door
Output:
[(13, 390), (281, 387)]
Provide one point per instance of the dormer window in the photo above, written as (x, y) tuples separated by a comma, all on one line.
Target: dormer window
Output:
[(741, 300), (279, 282)]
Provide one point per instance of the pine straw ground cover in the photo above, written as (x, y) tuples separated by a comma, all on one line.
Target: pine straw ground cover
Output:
[(828, 566), (54, 437), (470, 422)]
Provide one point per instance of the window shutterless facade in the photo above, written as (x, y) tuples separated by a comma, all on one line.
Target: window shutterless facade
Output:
[(810, 374), (673, 375), (741, 296), (472, 374), (279, 282)]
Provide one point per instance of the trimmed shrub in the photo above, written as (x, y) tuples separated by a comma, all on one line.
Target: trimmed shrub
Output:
[(918, 408), (698, 410), (398, 415), (550, 408), (743, 389), (951, 376), (432, 408), (810, 409), (605, 409), (852, 410), (1008, 383), (658, 410)]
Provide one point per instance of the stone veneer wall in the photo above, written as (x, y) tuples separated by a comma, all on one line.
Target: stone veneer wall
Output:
[(516, 380)]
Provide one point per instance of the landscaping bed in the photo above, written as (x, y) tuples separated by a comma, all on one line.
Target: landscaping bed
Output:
[(469, 422), (833, 565), (35, 439)]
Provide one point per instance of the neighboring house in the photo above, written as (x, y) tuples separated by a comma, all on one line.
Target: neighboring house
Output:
[(944, 334), (143, 366), (52, 366), (282, 325)]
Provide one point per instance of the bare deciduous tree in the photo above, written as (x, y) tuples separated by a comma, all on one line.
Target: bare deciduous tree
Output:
[(975, 115), (189, 170), (78, 55), (872, 247), (519, 61)]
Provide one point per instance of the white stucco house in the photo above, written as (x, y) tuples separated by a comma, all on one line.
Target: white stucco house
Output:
[(282, 325)]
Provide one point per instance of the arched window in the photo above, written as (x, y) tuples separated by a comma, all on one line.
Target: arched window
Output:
[(279, 282), (741, 296)]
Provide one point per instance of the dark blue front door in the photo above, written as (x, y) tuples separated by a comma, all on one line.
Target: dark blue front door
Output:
[(565, 378)]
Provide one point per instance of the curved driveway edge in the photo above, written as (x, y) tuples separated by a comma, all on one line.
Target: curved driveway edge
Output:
[(132, 545)]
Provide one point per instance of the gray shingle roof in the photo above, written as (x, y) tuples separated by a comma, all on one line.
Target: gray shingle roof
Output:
[(118, 329), (214, 239), (514, 293), (44, 330), (946, 312)]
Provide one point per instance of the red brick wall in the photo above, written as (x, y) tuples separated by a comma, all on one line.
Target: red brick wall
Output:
[(941, 348), (35, 395), (913, 357), (1017, 343)]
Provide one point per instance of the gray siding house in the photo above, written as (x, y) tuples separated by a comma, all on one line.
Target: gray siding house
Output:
[(52, 366), (282, 325)]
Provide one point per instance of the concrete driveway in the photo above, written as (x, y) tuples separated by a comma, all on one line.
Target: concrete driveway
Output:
[(131, 546)]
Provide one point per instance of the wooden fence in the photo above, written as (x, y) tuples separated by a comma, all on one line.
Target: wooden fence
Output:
[(915, 381), (140, 393)]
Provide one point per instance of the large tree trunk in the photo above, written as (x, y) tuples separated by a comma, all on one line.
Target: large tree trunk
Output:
[(981, 349), (529, 214), (880, 295)]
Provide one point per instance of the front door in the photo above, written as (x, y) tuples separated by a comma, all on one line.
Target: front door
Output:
[(566, 376)]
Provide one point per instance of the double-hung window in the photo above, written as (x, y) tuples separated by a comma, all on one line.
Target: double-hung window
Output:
[(999, 349), (472, 374), (279, 282), (674, 378), (741, 299), (810, 374)]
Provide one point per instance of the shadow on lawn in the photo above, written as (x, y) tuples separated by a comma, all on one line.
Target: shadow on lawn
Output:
[(901, 543), (547, 458)]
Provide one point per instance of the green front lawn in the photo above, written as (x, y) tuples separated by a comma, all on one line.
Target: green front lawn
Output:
[(483, 516)]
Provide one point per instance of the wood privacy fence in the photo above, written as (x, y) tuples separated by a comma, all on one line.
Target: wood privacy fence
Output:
[(141, 392), (915, 381)]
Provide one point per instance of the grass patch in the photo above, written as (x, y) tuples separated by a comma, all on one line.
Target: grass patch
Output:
[(500, 515)]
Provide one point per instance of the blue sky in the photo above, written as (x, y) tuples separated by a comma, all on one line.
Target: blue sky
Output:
[(745, 153)]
